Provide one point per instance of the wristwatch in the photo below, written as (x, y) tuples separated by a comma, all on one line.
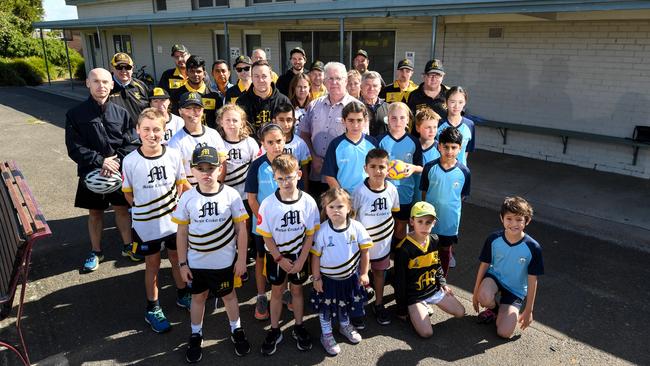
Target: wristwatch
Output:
[(181, 264)]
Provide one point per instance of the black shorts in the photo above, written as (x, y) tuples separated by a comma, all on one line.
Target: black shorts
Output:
[(506, 297), (220, 282), (258, 243), (404, 212), (152, 246), (89, 200), (447, 240), (277, 275)]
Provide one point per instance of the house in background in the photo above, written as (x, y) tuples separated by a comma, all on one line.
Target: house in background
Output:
[(576, 65)]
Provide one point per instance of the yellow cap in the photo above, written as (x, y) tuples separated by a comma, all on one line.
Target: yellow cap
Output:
[(422, 208), (121, 58)]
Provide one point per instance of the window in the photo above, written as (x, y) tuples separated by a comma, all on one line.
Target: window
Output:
[(253, 41), (220, 49), (290, 40), (380, 46), (201, 4), (122, 43), (256, 2), (160, 5)]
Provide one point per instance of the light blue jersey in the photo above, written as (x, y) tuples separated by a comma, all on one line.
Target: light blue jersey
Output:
[(260, 181), (429, 154), (445, 190), (466, 129), (345, 160), (408, 150)]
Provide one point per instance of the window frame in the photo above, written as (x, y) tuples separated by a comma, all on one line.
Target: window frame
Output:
[(123, 45)]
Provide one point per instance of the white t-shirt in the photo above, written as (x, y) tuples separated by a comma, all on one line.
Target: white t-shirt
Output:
[(212, 240), (174, 125), (186, 143), (288, 222), (296, 147), (375, 211), (339, 250), (240, 156), (153, 180)]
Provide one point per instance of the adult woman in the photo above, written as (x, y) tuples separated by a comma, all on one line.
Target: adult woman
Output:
[(300, 97)]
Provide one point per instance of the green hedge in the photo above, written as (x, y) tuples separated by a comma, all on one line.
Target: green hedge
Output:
[(8, 76)]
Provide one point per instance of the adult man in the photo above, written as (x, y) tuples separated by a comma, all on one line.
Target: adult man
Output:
[(98, 135), (361, 62), (195, 82), (262, 98), (399, 91), (127, 92), (316, 77), (298, 60), (175, 77), (159, 99), (323, 123), (243, 67), (377, 107), (259, 55), (431, 92), (221, 78)]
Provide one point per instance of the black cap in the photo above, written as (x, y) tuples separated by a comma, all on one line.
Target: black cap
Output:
[(243, 59), (179, 48), (205, 154), (317, 65), (405, 64), (434, 65), (190, 98), (297, 50), (158, 93), (362, 53)]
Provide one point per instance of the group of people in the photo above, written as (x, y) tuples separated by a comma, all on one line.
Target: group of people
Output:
[(305, 177)]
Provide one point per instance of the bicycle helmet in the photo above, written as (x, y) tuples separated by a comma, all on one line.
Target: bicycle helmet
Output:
[(103, 185)]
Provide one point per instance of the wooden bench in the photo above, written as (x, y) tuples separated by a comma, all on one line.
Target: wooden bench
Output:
[(504, 127), (21, 224)]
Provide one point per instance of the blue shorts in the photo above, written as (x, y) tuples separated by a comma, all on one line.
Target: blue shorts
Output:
[(507, 297)]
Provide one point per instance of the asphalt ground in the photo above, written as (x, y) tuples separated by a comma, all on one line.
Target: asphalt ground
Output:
[(592, 305)]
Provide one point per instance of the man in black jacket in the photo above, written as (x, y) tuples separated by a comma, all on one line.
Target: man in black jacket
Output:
[(98, 135), (197, 82), (128, 92), (298, 61)]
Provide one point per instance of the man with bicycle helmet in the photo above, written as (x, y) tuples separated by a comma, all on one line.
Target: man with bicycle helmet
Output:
[(128, 92)]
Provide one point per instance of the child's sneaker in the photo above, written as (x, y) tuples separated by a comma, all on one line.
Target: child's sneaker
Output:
[(359, 323), (92, 262), (350, 333), (370, 293), (329, 343), (287, 300), (194, 352), (486, 316), (270, 345), (242, 347), (381, 314), (452, 261), (128, 252), (156, 318), (302, 337), (262, 308), (184, 301)]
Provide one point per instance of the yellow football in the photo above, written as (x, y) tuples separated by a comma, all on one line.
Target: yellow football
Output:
[(397, 169)]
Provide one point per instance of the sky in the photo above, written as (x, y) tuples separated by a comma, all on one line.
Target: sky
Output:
[(57, 10)]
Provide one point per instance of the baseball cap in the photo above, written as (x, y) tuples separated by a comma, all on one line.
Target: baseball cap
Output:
[(362, 53), (317, 65), (434, 65), (422, 208), (158, 93), (405, 64), (205, 154), (121, 58), (190, 98), (179, 48), (243, 59), (298, 50)]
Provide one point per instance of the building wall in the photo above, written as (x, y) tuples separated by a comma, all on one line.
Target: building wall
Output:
[(590, 76), (120, 8)]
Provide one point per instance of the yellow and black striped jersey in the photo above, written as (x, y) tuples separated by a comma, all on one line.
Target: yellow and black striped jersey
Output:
[(240, 156), (186, 143), (340, 250), (375, 211)]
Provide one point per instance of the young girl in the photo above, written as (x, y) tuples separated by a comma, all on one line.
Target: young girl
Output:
[(259, 185), (300, 97), (340, 248), (402, 146), (456, 100)]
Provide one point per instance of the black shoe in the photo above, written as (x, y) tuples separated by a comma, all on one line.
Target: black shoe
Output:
[(270, 345), (302, 337), (381, 314), (358, 323), (194, 353), (242, 347)]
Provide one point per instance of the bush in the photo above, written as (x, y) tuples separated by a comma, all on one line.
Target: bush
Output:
[(31, 73), (80, 72), (8, 76)]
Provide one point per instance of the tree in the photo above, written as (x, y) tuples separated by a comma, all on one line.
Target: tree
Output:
[(27, 11)]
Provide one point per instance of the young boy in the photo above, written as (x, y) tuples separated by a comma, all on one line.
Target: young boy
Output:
[(374, 201), (287, 220), (211, 242), (284, 116), (445, 183), (426, 125), (153, 178), (159, 99), (419, 280), (510, 262), (345, 153)]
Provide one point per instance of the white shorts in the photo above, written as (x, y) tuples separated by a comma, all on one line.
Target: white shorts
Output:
[(435, 298)]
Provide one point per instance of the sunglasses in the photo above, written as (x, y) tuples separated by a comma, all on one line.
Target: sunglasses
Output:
[(123, 67), (240, 69)]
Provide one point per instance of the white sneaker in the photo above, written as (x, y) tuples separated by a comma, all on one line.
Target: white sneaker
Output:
[(329, 343), (349, 332), (452, 261)]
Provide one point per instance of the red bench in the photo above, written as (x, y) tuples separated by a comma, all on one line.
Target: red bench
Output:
[(21, 224)]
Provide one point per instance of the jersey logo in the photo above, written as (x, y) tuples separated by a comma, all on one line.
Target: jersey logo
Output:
[(287, 150), (259, 219), (175, 83), (209, 209), (379, 204), (209, 103), (353, 240), (224, 285), (263, 117), (291, 218), (157, 173), (168, 135), (428, 277), (234, 154), (330, 243), (200, 144)]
